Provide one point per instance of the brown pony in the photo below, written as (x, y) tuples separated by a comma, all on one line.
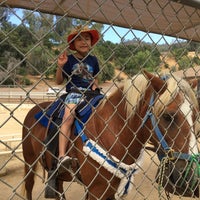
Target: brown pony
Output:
[(145, 109)]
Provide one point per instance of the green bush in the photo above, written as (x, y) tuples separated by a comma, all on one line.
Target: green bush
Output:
[(26, 81), (107, 72), (196, 60), (185, 62)]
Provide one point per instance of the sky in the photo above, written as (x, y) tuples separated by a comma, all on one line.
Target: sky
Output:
[(117, 34)]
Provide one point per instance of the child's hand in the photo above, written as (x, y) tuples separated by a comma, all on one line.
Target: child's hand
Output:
[(62, 59)]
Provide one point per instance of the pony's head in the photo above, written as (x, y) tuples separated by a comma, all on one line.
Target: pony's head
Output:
[(171, 114)]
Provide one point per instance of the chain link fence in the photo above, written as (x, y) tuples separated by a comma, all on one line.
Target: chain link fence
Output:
[(161, 37)]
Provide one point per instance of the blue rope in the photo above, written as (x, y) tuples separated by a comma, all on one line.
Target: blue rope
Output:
[(160, 136)]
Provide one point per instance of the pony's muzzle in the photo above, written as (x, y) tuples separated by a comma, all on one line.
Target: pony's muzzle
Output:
[(180, 177)]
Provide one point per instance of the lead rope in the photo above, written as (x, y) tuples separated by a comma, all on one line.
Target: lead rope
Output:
[(161, 174)]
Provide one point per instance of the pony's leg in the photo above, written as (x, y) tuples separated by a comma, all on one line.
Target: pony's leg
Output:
[(29, 181), (61, 195), (29, 168)]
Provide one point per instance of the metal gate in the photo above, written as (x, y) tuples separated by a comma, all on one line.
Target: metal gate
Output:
[(161, 37)]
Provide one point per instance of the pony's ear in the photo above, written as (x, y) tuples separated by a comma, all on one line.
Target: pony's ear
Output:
[(193, 83), (158, 84)]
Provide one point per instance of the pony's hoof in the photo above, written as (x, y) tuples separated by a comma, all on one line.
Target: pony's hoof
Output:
[(51, 187), (50, 193)]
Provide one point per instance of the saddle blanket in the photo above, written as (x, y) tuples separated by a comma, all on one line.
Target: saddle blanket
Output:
[(56, 109)]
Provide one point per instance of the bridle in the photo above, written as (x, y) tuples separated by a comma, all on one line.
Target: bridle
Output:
[(169, 154), (168, 151)]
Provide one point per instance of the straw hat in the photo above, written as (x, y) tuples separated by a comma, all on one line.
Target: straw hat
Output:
[(82, 29)]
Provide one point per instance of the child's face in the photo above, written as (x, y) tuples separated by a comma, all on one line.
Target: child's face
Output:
[(82, 43)]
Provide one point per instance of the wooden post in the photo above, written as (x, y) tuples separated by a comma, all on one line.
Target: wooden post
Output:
[(3, 169), (198, 92)]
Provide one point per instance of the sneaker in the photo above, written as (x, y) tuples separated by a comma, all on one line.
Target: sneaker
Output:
[(64, 163)]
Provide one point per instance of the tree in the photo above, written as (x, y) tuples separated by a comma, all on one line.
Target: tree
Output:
[(185, 62), (37, 61), (107, 73), (63, 25), (5, 15), (179, 52), (106, 50)]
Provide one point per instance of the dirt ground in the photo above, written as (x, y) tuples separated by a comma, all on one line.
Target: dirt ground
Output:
[(11, 121), (144, 187)]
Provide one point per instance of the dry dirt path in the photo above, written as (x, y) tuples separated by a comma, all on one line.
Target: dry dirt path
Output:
[(144, 187)]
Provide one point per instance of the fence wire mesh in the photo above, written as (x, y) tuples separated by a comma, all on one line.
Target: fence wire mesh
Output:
[(153, 74)]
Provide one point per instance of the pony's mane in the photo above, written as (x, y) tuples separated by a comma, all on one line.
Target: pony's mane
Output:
[(175, 85), (134, 88)]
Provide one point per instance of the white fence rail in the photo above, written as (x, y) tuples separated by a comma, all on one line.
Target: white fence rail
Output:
[(10, 143)]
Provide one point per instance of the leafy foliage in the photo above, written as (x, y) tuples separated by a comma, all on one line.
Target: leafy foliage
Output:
[(185, 62), (40, 38)]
